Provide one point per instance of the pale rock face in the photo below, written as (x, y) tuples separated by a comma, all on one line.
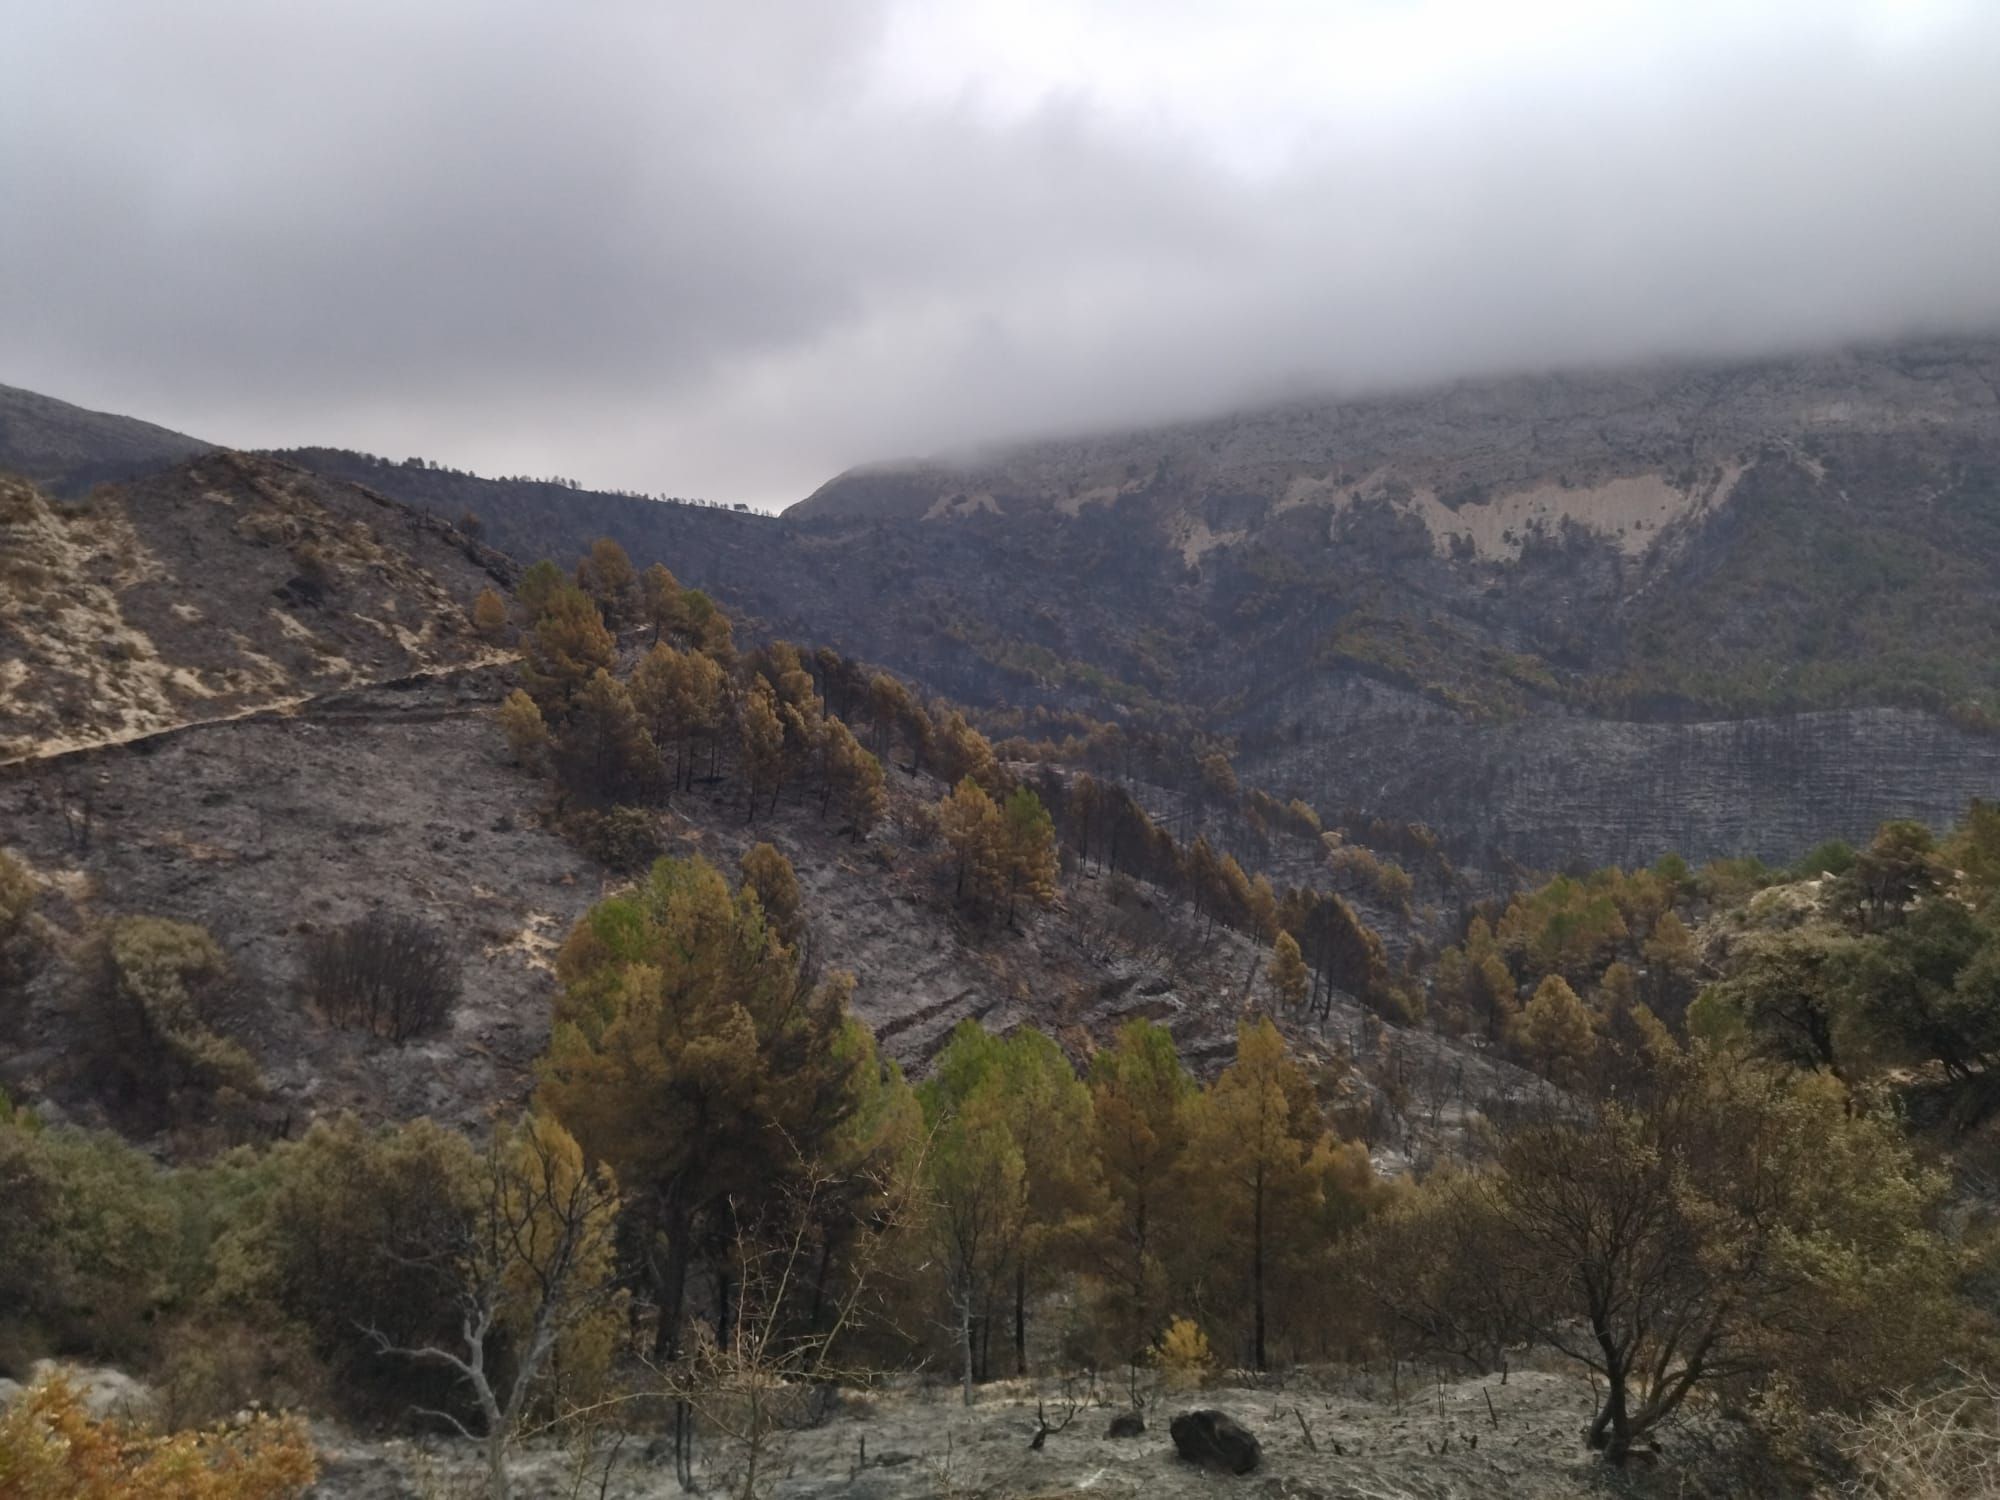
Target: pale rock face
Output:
[(1622, 454)]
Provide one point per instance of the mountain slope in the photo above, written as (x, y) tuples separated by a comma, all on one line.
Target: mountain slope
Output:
[(147, 778), (740, 555), (1562, 617), (69, 448), (1667, 544), (222, 586), (1567, 617)]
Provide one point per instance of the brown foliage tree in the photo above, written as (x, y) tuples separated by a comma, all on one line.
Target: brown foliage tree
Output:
[(682, 696), (539, 585), (603, 753), (1555, 1030), (853, 780), (1288, 972), (566, 647), (660, 600), (606, 575), (689, 1054), (976, 835), (1029, 850), (489, 616), (1713, 1231), (1141, 1116), (770, 875), (760, 734)]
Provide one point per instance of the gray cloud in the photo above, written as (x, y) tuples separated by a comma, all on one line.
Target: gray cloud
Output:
[(728, 249)]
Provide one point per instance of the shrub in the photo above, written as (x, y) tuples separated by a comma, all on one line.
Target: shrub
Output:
[(1941, 1445), (51, 1448), (158, 990), (526, 731), (489, 615), (316, 576), (919, 822), (20, 933), (1834, 857), (214, 1367), (17, 898), (624, 839), (388, 973), (1182, 1353), (87, 1240), (342, 1245)]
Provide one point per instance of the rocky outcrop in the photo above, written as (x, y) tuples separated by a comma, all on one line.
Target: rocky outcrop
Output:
[(1463, 447)]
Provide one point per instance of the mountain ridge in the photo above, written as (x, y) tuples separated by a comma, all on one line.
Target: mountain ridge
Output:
[(67, 448), (1468, 435)]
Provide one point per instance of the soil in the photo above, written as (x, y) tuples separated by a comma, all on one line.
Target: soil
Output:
[(1347, 1435)]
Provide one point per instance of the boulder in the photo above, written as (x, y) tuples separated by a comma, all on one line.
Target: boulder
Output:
[(1127, 1424), (106, 1392), (1217, 1441)]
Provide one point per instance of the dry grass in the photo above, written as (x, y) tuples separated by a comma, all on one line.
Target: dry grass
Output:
[(1941, 1446)]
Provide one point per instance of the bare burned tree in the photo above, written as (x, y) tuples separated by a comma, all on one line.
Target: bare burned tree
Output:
[(388, 973), (532, 1262), (1044, 1428), (73, 795), (761, 1373)]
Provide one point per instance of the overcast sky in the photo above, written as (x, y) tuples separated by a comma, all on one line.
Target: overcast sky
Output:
[(729, 249)]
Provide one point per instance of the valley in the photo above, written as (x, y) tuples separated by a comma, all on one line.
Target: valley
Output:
[(1002, 930), (909, 751)]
